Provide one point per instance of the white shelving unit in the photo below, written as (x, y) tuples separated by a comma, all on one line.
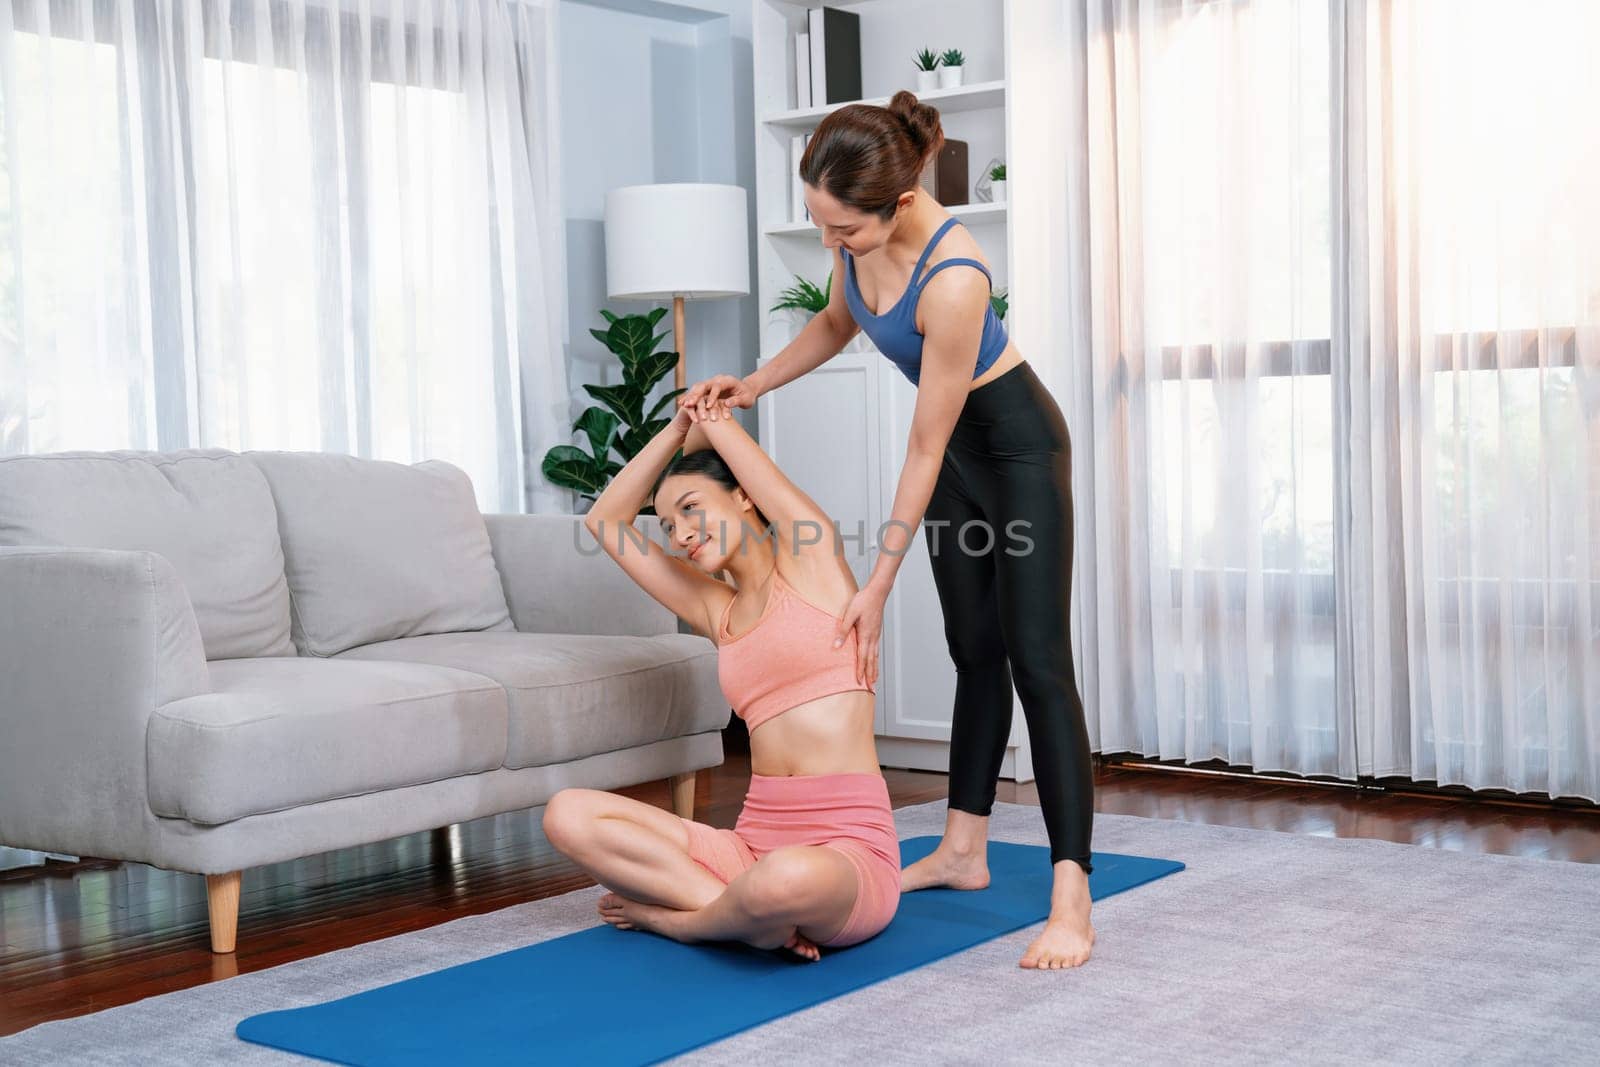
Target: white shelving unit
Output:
[(892, 32), (980, 97), (841, 430)]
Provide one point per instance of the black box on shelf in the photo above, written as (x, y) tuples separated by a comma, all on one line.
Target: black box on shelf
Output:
[(945, 175), (835, 55)]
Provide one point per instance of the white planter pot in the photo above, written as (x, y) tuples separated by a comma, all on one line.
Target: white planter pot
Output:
[(927, 79), (949, 77), (997, 191)]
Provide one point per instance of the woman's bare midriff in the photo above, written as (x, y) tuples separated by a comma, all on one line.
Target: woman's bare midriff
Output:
[(830, 735), (1008, 359)]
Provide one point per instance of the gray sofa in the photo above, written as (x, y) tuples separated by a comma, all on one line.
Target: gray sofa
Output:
[(211, 661)]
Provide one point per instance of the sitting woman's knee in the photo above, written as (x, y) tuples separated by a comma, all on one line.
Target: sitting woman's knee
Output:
[(566, 815), (780, 886)]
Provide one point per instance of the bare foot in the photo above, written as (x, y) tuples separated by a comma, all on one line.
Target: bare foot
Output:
[(803, 948), (1064, 943), (1068, 937), (626, 914), (947, 867)]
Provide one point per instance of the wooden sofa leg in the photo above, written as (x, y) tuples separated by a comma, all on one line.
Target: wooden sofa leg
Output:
[(222, 895), (683, 795)]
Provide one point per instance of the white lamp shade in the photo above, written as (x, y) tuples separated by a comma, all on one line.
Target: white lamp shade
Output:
[(688, 239)]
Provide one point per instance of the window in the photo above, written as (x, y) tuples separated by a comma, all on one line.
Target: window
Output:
[(1236, 258), (71, 317), (267, 225)]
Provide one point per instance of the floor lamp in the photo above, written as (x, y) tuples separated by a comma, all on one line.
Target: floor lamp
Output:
[(683, 240)]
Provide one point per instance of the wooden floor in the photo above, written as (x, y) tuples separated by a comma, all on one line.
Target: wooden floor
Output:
[(82, 937)]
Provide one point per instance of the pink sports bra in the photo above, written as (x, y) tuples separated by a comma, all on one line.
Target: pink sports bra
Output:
[(785, 659)]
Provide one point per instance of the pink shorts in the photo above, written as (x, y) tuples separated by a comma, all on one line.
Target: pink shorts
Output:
[(847, 812)]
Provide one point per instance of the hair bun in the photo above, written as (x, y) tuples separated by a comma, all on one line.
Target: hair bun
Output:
[(920, 120)]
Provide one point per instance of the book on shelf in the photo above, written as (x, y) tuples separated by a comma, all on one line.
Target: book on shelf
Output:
[(798, 212), (944, 176), (802, 70), (835, 55)]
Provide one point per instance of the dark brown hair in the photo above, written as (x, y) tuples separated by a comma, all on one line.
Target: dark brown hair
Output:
[(709, 462), (865, 156)]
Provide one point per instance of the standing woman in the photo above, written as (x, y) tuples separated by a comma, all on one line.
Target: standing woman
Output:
[(988, 466)]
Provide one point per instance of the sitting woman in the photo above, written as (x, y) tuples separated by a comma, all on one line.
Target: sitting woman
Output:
[(813, 858)]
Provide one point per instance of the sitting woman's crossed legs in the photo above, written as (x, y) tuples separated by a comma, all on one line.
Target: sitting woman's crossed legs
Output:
[(692, 882)]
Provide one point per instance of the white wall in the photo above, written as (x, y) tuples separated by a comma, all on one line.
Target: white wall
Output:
[(652, 92)]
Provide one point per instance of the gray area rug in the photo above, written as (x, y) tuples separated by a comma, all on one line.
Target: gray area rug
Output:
[(1269, 948)]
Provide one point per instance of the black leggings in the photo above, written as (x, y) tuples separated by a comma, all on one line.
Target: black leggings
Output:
[(1004, 584)]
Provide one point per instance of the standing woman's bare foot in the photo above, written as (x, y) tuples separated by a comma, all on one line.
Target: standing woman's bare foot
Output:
[(1068, 938), (961, 860), (948, 867)]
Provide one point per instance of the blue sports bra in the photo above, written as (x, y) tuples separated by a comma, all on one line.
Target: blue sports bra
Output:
[(895, 331)]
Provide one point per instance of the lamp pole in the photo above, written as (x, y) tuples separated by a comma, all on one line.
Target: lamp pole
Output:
[(677, 339)]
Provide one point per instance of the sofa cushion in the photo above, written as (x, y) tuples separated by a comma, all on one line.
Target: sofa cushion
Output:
[(279, 733), (580, 695), (208, 511), (376, 551)]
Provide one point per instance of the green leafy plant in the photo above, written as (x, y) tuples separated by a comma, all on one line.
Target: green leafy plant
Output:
[(953, 57), (927, 59), (622, 425), (804, 295), (997, 173), (1000, 300)]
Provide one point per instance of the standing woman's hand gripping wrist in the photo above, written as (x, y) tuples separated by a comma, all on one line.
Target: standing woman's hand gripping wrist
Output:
[(719, 388)]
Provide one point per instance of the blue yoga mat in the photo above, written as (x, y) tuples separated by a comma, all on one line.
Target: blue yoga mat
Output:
[(608, 996)]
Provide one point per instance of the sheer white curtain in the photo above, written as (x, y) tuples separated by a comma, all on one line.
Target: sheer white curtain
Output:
[(1469, 398), (301, 224), (1198, 381), (1334, 387)]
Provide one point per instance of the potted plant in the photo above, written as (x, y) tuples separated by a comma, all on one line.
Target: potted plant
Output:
[(806, 298), (804, 295), (997, 183), (622, 425), (1000, 300), (950, 68), (927, 63)]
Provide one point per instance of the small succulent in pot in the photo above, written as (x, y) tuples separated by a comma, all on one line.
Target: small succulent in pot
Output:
[(951, 65), (997, 183), (927, 64)]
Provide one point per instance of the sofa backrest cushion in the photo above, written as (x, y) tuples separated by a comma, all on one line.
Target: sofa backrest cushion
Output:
[(209, 512), (376, 551)]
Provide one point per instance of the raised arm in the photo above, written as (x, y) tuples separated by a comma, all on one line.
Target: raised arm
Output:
[(672, 580), (804, 532)]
